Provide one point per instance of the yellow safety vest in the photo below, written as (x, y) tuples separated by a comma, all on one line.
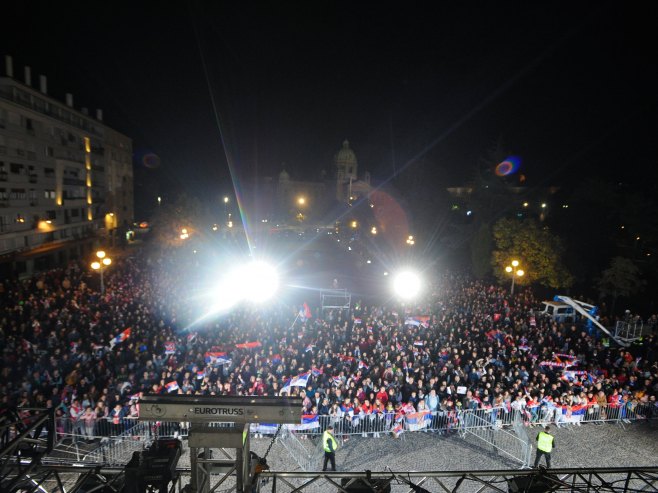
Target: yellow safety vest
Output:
[(545, 442), (326, 436)]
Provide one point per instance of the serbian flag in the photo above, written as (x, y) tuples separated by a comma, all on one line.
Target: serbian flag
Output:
[(419, 343), (357, 321), (305, 312), (120, 337), (300, 380), (200, 375), (369, 329), (309, 347), (212, 356), (276, 359), (336, 381), (316, 372), (309, 422), (423, 320), (363, 366), (343, 357), (170, 347), (417, 420), (172, 386), (398, 428), (248, 345), (412, 321)]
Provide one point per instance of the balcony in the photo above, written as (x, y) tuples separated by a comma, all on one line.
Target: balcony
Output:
[(74, 182)]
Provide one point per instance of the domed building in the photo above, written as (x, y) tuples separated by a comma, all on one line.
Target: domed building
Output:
[(346, 171), (296, 201)]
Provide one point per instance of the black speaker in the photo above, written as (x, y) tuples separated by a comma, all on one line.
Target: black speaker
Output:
[(361, 486), (537, 483)]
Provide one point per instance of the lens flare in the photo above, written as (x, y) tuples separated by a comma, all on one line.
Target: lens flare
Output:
[(151, 160), (508, 166)]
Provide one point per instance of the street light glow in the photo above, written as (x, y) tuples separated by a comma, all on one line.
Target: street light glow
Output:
[(510, 269), (99, 266), (301, 200)]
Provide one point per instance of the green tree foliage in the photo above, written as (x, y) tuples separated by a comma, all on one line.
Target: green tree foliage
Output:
[(170, 219), (535, 247), (620, 279), (481, 252)]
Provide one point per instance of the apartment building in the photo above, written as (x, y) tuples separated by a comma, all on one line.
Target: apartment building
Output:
[(66, 180)]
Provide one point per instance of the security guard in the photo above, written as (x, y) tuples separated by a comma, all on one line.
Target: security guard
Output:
[(545, 444), (330, 445)]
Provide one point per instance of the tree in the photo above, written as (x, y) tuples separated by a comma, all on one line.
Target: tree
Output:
[(535, 247), (620, 279), (170, 219)]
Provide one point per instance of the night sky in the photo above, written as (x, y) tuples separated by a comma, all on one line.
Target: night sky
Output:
[(572, 88)]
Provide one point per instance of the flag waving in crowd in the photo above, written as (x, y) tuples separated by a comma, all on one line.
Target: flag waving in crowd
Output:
[(305, 312), (119, 338)]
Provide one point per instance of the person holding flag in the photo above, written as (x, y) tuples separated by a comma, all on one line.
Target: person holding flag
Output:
[(545, 444), (330, 445)]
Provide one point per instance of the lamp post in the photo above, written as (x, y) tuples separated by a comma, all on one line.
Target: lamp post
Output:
[(226, 214), (301, 203), (515, 272), (103, 261)]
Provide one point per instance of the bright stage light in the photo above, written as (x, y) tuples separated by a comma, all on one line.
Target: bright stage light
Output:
[(254, 282), (261, 282), (407, 285)]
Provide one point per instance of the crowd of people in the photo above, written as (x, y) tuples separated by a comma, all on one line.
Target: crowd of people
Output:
[(467, 345)]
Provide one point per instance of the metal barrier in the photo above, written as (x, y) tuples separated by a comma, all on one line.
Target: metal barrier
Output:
[(308, 456), (513, 445), (376, 425)]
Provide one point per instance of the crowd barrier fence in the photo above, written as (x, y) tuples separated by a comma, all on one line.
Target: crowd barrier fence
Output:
[(376, 425)]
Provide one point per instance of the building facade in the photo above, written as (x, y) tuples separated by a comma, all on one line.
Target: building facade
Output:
[(66, 180)]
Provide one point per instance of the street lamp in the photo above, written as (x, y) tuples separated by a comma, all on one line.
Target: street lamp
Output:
[(103, 261), (227, 216), (512, 269)]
